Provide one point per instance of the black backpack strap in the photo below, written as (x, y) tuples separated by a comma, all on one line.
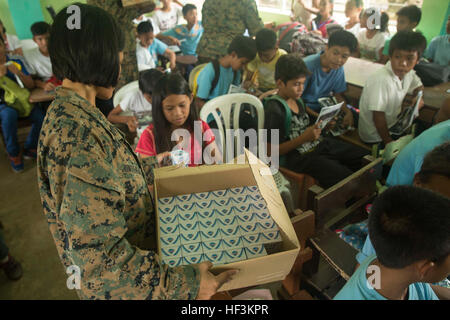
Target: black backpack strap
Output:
[(216, 66)]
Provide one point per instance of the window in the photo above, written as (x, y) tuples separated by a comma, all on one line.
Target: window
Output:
[(275, 6)]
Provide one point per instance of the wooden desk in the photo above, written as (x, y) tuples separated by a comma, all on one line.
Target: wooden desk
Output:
[(358, 70), (186, 59), (40, 95)]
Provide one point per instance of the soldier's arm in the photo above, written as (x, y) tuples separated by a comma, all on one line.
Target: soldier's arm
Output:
[(150, 163), (92, 216), (252, 20)]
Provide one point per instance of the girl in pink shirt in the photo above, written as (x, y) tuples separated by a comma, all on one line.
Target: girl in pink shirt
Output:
[(176, 125)]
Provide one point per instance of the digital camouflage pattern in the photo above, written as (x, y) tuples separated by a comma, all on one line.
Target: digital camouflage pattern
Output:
[(223, 20), (124, 17), (99, 210)]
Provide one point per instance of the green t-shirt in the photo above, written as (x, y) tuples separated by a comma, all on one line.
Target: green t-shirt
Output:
[(386, 47)]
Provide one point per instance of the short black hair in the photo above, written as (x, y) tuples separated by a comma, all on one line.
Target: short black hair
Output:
[(290, 66), (437, 161), (40, 28), (148, 80), (343, 38), (412, 12), (188, 7), (144, 27), (408, 41), (266, 39), (244, 47), (408, 224), (98, 62)]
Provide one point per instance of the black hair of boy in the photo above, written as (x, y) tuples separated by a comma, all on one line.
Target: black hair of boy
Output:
[(96, 64), (409, 224), (437, 161), (4, 28), (408, 41), (266, 39), (244, 47), (144, 27), (40, 28), (412, 12), (148, 80), (188, 7), (172, 83), (290, 66), (343, 38)]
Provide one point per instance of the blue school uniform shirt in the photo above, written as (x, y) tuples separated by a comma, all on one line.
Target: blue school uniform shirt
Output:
[(439, 50), (157, 48), (357, 287), (320, 84), (206, 77), (189, 38), (20, 61)]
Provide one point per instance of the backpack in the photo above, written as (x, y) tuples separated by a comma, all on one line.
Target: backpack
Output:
[(307, 43), (432, 74), (196, 71), (16, 97), (285, 33), (287, 120)]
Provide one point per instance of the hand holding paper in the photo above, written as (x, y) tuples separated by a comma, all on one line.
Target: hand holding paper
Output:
[(327, 114)]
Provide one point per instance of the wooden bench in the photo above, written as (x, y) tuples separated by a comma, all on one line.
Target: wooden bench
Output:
[(40, 95), (335, 203)]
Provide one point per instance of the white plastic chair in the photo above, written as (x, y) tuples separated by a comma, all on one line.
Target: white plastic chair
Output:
[(224, 107), (28, 44)]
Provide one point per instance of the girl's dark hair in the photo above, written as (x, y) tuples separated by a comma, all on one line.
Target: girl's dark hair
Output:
[(90, 54), (148, 80), (408, 224), (168, 84)]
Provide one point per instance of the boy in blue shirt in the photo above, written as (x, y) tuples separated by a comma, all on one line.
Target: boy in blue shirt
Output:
[(241, 51), (409, 229), (189, 34), (16, 72), (148, 48), (327, 73), (438, 50)]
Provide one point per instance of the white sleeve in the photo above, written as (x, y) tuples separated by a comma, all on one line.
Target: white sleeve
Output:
[(374, 95), (415, 83), (29, 59), (155, 20), (14, 42), (125, 103), (144, 60)]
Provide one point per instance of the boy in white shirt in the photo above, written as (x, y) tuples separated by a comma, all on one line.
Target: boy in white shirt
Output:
[(385, 90), (39, 58), (136, 102), (168, 16)]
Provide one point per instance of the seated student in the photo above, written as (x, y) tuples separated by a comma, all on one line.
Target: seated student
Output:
[(372, 37), (148, 48), (323, 16), (327, 72), (433, 174), (438, 50), (240, 51), (353, 10), (12, 42), (9, 115), (300, 14), (189, 34), (168, 16), (264, 63), (409, 227), (174, 115), (138, 101), (300, 145), (384, 91), (408, 18), (39, 58)]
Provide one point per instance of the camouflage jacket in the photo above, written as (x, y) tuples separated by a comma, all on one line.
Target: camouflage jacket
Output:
[(99, 210), (223, 20)]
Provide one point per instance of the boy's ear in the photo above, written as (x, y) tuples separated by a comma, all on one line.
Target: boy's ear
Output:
[(191, 98), (416, 181), (280, 83), (424, 268)]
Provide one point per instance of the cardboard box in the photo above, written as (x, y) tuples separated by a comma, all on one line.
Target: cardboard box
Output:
[(172, 181)]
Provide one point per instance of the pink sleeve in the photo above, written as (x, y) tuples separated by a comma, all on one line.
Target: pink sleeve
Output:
[(207, 134), (146, 144)]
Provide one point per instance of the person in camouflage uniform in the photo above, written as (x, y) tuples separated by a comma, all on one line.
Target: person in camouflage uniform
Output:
[(223, 20), (125, 18), (93, 187)]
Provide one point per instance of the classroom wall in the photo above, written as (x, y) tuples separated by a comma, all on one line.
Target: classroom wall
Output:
[(57, 5), (434, 16), (6, 17)]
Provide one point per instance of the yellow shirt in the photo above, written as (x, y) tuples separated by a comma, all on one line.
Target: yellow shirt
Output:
[(266, 71)]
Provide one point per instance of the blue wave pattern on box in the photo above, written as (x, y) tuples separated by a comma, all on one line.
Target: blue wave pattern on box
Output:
[(221, 226)]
